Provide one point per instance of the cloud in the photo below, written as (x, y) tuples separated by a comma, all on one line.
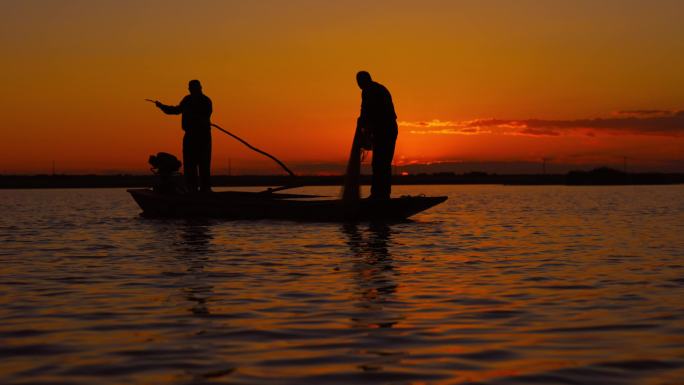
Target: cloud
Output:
[(430, 124), (634, 122), (539, 132), (445, 127), (453, 131), (442, 127), (644, 112)]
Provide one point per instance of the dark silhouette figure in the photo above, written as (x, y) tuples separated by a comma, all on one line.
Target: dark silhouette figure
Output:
[(165, 166), (196, 111), (378, 121)]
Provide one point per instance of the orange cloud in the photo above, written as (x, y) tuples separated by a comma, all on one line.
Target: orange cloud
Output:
[(639, 122)]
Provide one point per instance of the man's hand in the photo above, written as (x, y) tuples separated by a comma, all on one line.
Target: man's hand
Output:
[(158, 103)]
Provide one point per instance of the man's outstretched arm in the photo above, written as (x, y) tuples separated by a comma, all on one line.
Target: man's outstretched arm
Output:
[(170, 110)]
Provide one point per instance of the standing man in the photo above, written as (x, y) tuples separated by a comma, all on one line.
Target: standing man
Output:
[(380, 121), (196, 122)]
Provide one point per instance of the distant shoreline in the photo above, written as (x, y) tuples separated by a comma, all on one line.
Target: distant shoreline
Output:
[(603, 176)]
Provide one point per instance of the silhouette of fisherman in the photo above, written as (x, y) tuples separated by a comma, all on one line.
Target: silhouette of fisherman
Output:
[(379, 122), (196, 111)]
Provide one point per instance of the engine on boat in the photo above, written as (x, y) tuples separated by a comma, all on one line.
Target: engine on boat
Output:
[(166, 166)]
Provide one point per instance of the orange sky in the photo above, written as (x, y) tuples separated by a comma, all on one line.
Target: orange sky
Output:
[(281, 75)]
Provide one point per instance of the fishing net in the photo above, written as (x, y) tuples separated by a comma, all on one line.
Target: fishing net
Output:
[(351, 189)]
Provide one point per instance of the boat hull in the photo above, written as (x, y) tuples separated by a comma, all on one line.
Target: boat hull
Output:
[(248, 205)]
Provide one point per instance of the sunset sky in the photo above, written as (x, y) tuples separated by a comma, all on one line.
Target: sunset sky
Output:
[(581, 83)]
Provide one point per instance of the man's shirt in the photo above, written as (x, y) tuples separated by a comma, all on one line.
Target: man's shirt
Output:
[(377, 109), (196, 113)]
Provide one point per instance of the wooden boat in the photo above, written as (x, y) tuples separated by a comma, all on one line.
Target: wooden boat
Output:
[(271, 205)]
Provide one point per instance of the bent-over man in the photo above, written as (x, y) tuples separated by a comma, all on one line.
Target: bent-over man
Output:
[(379, 119)]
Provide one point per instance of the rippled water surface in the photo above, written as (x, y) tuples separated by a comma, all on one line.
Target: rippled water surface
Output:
[(499, 285)]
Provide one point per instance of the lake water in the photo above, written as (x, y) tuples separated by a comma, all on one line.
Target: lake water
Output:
[(499, 285)]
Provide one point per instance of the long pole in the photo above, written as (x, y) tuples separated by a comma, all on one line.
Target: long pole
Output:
[(255, 149)]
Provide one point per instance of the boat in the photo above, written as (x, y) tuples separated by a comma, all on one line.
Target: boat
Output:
[(273, 205)]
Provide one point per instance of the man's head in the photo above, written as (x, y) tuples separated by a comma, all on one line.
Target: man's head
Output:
[(194, 87), (363, 79)]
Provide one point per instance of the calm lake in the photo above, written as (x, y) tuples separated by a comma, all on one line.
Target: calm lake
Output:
[(498, 285)]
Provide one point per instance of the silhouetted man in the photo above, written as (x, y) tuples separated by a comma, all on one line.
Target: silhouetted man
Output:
[(379, 119), (196, 122)]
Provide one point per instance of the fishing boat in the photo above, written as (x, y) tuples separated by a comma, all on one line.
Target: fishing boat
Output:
[(274, 205), (166, 199)]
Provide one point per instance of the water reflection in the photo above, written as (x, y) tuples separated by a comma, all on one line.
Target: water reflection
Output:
[(193, 246), (373, 264), (375, 278)]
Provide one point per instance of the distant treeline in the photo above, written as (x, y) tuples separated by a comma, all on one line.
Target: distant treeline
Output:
[(599, 176)]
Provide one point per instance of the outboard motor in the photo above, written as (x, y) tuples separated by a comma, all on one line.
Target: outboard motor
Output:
[(166, 166)]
